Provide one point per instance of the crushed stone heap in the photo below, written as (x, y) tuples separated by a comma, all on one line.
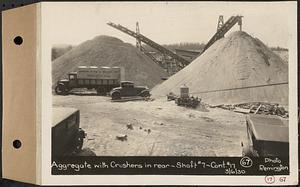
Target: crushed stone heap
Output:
[(233, 70), (109, 51)]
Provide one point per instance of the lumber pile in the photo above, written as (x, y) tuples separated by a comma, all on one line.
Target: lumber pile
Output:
[(257, 108)]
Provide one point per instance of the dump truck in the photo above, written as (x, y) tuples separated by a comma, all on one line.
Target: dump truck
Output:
[(102, 79), (128, 89), (67, 136)]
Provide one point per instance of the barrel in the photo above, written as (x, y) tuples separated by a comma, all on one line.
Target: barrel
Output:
[(184, 91)]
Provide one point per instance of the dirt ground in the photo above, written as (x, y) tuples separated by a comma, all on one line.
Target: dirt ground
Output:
[(159, 127)]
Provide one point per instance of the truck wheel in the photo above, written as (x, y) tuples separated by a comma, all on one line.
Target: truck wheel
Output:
[(61, 90), (116, 95)]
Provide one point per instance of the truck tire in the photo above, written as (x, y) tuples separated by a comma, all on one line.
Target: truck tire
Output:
[(115, 96), (61, 90)]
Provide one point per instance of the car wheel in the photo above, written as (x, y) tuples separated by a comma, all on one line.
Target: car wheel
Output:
[(145, 94), (116, 95)]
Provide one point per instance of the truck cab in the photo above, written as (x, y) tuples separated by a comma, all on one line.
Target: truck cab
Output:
[(128, 89), (72, 79), (64, 85)]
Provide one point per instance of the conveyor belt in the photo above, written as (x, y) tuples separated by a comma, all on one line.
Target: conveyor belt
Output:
[(223, 30), (163, 50)]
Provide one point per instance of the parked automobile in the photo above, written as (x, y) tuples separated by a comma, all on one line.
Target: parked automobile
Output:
[(266, 136), (128, 89)]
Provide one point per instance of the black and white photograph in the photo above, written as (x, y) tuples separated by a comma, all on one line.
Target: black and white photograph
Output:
[(169, 90), (150, 93), (170, 79)]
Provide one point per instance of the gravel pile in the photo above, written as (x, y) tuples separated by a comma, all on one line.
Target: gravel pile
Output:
[(109, 51), (235, 69)]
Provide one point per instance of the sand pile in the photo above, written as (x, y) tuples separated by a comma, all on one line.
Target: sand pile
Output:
[(234, 62), (284, 55), (109, 51)]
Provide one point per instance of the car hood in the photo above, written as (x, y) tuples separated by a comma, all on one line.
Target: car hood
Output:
[(142, 87), (63, 80)]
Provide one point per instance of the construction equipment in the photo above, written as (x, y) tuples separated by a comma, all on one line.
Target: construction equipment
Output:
[(103, 79), (220, 22), (138, 41), (190, 102), (184, 99), (189, 55), (161, 49), (149, 55), (223, 30), (171, 96)]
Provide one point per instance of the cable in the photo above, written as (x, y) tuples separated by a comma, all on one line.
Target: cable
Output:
[(228, 89)]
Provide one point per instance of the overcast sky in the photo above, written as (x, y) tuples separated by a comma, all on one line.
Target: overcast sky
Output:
[(164, 22)]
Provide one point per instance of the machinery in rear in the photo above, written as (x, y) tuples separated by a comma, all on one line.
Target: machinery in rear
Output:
[(184, 99)]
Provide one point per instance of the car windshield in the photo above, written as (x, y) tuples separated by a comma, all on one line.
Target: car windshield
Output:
[(127, 84)]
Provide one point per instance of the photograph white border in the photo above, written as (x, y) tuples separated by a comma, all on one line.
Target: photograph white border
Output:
[(46, 116)]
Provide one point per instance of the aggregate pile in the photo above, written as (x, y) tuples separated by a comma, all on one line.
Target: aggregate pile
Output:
[(283, 54), (235, 69), (109, 51)]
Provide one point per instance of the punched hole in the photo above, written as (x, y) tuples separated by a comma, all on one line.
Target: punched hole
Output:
[(3, 5), (18, 40), (17, 144)]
